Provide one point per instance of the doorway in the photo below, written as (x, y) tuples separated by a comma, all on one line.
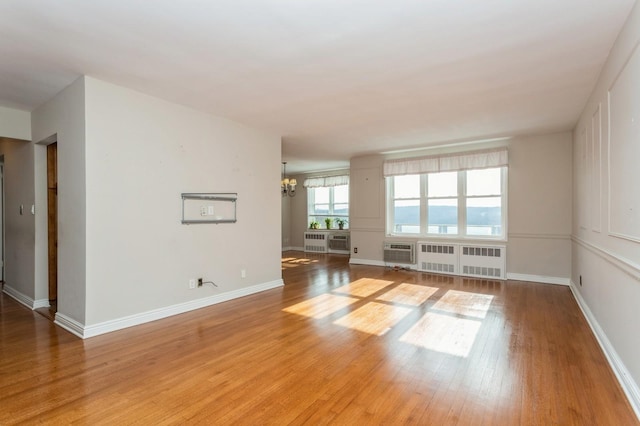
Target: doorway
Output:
[(2, 222), (52, 223)]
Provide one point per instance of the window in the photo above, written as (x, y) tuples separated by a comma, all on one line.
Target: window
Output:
[(464, 203), (330, 202)]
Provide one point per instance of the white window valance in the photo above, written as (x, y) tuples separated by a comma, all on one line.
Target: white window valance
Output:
[(324, 181), (446, 162)]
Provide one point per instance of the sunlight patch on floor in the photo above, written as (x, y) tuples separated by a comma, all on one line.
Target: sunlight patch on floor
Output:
[(374, 318), (408, 294), (450, 324), (363, 287), (292, 262), (321, 306), (443, 333), (464, 303)]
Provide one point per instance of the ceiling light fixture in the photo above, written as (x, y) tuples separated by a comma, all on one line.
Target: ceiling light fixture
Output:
[(287, 186)]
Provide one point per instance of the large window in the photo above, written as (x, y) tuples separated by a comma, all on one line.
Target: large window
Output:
[(328, 201), (465, 203)]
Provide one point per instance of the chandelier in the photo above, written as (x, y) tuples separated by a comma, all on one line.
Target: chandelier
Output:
[(287, 186)]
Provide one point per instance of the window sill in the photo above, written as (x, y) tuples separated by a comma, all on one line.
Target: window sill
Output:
[(452, 238)]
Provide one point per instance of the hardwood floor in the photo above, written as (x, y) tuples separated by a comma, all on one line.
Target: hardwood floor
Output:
[(338, 344)]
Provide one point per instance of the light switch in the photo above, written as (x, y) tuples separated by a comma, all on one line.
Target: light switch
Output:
[(210, 210), (203, 210)]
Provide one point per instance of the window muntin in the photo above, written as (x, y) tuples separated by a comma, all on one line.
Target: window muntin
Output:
[(328, 202), (459, 204)]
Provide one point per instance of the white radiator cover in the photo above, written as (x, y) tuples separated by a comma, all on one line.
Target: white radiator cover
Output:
[(316, 242), (471, 260), (438, 257)]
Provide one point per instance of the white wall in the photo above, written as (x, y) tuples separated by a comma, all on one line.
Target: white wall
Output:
[(15, 124), (62, 119), (19, 228), (286, 221), (606, 219), (141, 154), (17, 153), (539, 207)]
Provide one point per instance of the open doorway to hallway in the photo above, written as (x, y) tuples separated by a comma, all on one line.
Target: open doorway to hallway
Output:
[(1, 222), (52, 222), (52, 231)]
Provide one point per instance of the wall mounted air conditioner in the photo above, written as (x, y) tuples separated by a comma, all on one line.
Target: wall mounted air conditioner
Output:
[(399, 252), (339, 243)]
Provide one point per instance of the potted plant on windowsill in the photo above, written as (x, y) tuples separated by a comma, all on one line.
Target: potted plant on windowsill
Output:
[(314, 224), (327, 221), (341, 222)]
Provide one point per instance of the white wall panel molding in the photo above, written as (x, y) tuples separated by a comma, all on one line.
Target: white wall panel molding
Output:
[(629, 386), (627, 266), (374, 230), (596, 169), (623, 150), (156, 314), (540, 236)]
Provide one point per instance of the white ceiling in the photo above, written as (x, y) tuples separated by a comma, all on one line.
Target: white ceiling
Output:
[(335, 78)]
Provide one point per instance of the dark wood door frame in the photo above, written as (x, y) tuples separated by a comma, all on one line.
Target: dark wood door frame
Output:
[(52, 220)]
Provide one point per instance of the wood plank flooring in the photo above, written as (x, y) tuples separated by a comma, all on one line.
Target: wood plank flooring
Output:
[(338, 344)]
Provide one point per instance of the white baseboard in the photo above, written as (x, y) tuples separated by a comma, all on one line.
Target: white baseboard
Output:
[(292, 249), (156, 314), (69, 324), (538, 279), (19, 297), (41, 303), (356, 261), (629, 386)]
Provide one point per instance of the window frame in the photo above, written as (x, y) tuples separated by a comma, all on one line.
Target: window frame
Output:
[(461, 198), (320, 217)]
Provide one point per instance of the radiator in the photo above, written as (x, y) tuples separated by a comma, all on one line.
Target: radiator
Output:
[(471, 260), (339, 243), (399, 252), (315, 242), (483, 261), (441, 258)]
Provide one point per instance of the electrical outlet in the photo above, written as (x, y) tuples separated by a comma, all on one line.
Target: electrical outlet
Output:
[(199, 282), (355, 249), (192, 283), (243, 273)]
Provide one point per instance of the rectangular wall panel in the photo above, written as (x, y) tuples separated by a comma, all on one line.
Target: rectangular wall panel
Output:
[(596, 170), (624, 152)]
